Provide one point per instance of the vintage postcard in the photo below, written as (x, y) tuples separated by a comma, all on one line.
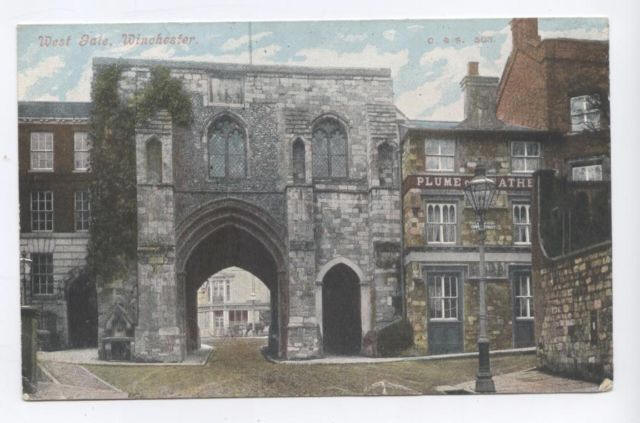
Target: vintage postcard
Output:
[(318, 208)]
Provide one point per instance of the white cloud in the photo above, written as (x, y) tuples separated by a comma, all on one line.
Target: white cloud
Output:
[(416, 102), (389, 34), (262, 55), (82, 90), (46, 97), (352, 38), (414, 27), (42, 70), (368, 57), (579, 33), (234, 43), (121, 50), (452, 111), (161, 51)]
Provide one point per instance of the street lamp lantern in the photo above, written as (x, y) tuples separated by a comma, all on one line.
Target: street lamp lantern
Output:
[(481, 192)]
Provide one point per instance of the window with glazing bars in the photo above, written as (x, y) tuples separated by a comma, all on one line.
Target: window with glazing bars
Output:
[(81, 211), (329, 148), (585, 113), (523, 297), (41, 149), (441, 223), (227, 150), (81, 148), (587, 173), (443, 296), (521, 224), (439, 155), (525, 156), (42, 211), (42, 273)]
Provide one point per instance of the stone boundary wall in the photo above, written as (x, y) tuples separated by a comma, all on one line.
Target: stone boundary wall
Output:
[(573, 308)]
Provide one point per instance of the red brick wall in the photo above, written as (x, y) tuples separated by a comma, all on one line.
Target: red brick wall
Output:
[(63, 181), (540, 78), (522, 95)]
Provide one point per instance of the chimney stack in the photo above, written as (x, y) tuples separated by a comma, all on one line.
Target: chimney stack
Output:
[(472, 68), (524, 31), (480, 97)]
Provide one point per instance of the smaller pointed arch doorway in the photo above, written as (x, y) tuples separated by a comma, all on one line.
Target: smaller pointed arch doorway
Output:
[(341, 321)]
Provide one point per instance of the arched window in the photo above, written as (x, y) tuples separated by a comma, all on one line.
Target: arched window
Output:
[(227, 154), (385, 165), (297, 154), (329, 149), (154, 161)]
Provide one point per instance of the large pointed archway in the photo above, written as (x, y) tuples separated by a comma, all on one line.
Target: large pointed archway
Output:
[(231, 233)]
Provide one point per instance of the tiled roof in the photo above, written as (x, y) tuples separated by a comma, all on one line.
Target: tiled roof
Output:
[(53, 110)]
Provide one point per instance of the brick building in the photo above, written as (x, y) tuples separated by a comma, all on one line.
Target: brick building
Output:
[(54, 178), (567, 91), (440, 244), (294, 171), (233, 303)]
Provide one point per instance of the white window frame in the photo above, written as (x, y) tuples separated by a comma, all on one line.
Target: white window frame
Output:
[(82, 215), (41, 279), (42, 216), (81, 151), (218, 319), (526, 225), (526, 156), (527, 296), (585, 110), (441, 225), (444, 279), (41, 144), (218, 291), (589, 178), (439, 155)]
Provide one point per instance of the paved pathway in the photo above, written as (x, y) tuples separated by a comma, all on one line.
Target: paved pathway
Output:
[(64, 381), (90, 356), (357, 359), (530, 381)]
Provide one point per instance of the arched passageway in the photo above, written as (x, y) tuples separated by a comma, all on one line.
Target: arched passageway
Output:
[(341, 322), (233, 245)]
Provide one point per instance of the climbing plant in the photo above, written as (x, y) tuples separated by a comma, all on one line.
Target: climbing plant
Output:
[(113, 229)]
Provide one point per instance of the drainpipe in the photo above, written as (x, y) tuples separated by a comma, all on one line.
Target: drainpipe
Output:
[(403, 301)]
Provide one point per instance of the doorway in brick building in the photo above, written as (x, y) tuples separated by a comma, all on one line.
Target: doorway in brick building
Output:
[(444, 326), (82, 312), (341, 321), (523, 323)]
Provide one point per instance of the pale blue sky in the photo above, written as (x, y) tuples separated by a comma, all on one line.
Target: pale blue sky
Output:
[(426, 69)]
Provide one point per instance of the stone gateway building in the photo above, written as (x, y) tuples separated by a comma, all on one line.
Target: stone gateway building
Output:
[(290, 173)]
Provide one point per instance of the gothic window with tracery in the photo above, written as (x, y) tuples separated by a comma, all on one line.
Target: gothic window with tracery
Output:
[(329, 149), (227, 149)]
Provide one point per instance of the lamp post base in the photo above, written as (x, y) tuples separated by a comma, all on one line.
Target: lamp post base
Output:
[(484, 381)]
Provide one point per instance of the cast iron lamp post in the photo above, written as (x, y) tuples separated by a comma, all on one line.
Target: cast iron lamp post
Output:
[(481, 192)]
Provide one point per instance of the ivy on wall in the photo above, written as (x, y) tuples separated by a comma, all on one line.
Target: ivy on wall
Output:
[(113, 231)]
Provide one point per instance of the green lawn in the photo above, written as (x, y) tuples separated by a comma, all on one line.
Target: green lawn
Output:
[(237, 369)]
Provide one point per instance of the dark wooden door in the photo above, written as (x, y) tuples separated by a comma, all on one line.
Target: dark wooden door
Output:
[(444, 327), (342, 329)]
